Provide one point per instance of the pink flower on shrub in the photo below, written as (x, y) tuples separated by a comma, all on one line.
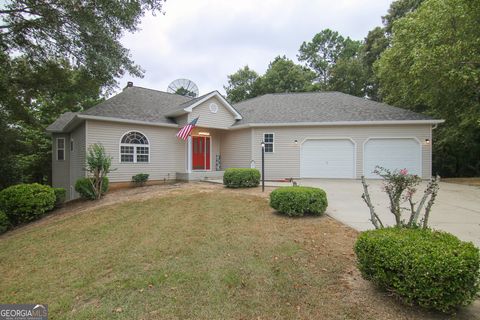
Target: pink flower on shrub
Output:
[(404, 172)]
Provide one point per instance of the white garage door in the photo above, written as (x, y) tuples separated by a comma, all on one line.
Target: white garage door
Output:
[(392, 154), (333, 158)]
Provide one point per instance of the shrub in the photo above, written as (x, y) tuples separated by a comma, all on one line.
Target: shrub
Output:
[(433, 269), (401, 186), (241, 178), (60, 196), (26, 202), (297, 201), (98, 167), (4, 222), (84, 186), (140, 179)]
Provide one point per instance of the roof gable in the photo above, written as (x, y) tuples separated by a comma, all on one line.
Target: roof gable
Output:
[(188, 106), (212, 113)]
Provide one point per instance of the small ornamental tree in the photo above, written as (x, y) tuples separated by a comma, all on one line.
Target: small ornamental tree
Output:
[(401, 187), (98, 167)]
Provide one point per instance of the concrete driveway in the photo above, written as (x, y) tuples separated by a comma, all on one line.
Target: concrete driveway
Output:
[(456, 210)]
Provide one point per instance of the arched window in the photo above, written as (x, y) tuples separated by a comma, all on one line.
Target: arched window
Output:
[(134, 147)]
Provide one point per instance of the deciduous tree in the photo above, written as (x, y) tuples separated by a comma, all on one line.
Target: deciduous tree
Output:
[(283, 75), (85, 32), (56, 56), (242, 85), (433, 66), (374, 44)]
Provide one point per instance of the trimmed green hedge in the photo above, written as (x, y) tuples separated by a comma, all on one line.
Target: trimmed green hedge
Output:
[(430, 268), (26, 202), (60, 196), (140, 179), (4, 222), (297, 201), (241, 178), (85, 188)]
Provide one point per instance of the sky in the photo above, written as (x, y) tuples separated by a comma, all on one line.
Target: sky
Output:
[(206, 40)]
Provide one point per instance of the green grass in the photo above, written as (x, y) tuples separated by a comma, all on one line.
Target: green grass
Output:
[(193, 255)]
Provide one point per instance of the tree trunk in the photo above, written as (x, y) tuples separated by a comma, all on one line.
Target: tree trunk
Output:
[(377, 223)]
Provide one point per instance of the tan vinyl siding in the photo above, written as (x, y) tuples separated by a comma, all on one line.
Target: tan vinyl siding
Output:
[(167, 153), (285, 161), (223, 119), (236, 149), (77, 158), (61, 169)]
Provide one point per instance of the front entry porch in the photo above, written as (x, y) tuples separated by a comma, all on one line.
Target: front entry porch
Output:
[(202, 155)]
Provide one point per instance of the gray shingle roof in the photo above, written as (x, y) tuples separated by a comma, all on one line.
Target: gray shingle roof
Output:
[(189, 103), (146, 105), (319, 107), (140, 104), (61, 122)]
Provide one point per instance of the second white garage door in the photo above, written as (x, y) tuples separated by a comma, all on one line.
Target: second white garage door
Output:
[(392, 154), (329, 158)]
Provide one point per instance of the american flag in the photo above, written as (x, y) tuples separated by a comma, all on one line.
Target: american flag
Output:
[(185, 131)]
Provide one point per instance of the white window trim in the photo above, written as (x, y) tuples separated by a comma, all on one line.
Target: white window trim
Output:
[(272, 143), (120, 145), (57, 149)]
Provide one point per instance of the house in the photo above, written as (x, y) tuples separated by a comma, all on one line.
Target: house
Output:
[(306, 135)]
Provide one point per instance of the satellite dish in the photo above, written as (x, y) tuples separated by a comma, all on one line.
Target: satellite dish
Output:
[(183, 87)]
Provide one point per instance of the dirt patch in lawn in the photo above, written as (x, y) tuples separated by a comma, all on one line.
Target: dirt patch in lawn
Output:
[(191, 251)]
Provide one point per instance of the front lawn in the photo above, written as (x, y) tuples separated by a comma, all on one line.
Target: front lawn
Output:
[(189, 254)]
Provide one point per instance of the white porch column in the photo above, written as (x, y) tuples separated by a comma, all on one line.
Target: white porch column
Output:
[(189, 154)]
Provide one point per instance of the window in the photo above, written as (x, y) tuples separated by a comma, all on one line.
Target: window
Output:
[(134, 147), (268, 140), (60, 149)]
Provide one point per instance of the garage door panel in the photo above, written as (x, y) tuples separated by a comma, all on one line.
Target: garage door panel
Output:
[(329, 158), (393, 154)]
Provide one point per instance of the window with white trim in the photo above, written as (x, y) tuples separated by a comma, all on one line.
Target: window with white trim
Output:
[(268, 140), (134, 148), (60, 149)]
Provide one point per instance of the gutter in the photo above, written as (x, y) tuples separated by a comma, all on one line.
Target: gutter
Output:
[(337, 123), (80, 117)]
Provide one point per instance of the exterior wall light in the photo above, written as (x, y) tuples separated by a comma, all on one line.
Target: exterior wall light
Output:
[(427, 141), (295, 141)]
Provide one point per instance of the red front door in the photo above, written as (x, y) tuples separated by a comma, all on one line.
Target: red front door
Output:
[(201, 153)]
